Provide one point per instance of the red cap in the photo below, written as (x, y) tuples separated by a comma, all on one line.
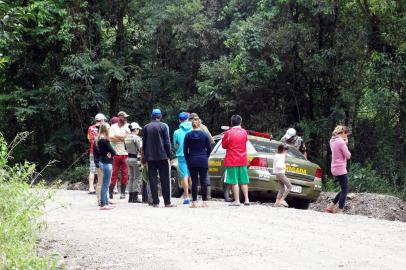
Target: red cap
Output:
[(114, 120)]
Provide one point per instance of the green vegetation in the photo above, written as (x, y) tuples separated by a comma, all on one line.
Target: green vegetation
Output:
[(278, 63), (20, 206)]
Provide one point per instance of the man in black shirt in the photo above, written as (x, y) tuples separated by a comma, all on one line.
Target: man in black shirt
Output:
[(157, 154)]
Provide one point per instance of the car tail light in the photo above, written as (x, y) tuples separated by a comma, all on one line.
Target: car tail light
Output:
[(319, 173), (259, 163)]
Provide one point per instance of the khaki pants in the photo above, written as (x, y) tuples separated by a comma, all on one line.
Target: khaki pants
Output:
[(134, 176), (99, 183)]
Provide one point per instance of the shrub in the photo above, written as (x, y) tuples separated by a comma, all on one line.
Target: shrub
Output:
[(364, 178), (76, 174), (20, 206)]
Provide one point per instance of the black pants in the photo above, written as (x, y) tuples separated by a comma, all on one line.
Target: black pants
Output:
[(199, 174), (161, 166), (341, 197)]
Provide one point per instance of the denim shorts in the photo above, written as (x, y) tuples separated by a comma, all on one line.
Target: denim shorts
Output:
[(184, 171)]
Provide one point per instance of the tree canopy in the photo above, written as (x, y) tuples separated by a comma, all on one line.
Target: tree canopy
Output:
[(279, 63)]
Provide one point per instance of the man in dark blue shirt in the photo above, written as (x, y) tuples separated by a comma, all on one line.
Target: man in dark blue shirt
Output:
[(157, 154)]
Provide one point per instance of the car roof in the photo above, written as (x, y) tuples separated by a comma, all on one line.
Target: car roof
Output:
[(250, 137)]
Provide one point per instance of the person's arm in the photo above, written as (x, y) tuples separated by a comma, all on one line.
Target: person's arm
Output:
[(144, 145), (88, 135), (175, 140), (167, 142), (137, 142), (303, 148), (224, 141), (110, 149), (96, 154), (186, 149), (117, 134), (208, 146), (205, 129), (345, 151)]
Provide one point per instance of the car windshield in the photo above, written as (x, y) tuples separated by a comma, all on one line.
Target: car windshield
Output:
[(271, 148)]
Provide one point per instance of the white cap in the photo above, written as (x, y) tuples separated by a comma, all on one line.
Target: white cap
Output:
[(291, 132), (99, 117), (135, 125)]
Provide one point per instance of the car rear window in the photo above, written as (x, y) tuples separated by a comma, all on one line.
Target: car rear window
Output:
[(271, 148)]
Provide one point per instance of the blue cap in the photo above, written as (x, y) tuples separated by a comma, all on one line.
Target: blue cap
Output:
[(156, 113), (183, 116)]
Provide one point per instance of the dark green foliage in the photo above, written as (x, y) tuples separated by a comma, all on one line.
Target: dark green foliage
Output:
[(307, 64)]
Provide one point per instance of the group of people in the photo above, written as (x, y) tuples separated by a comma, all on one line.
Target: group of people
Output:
[(119, 148)]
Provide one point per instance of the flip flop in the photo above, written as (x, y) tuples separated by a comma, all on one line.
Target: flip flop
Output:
[(247, 204), (91, 192), (234, 204)]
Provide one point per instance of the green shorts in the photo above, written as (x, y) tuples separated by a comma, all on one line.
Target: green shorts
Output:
[(237, 175)]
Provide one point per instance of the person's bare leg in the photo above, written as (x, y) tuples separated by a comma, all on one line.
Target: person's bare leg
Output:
[(91, 182), (236, 193), (244, 189)]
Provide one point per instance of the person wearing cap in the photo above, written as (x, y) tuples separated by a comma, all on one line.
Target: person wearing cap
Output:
[(235, 143), (178, 140), (156, 155), (133, 144), (291, 139), (118, 133), (114, 120), (92, 132)]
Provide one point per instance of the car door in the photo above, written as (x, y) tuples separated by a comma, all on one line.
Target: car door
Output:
[(216, 166)]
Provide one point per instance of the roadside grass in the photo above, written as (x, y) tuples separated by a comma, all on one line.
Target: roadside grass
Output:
[(21, 206)]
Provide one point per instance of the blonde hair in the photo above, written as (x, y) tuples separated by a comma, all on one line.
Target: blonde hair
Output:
[(103, 131), (340, 129), (196, 122)]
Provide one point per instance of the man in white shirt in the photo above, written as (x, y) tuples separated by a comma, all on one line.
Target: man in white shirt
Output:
[(118, 133)]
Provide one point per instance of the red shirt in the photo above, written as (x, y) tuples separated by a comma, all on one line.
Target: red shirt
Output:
[(235, 142), (91, 135)]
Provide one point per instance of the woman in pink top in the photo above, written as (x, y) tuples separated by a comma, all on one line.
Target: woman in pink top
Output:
[(339, 156)]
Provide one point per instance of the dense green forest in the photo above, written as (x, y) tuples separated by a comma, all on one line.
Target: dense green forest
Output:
[(308, 64)]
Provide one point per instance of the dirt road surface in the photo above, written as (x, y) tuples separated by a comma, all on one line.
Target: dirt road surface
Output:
[(218, 237)]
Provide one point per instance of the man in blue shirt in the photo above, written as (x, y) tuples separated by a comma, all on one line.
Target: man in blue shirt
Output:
[(178, 140)]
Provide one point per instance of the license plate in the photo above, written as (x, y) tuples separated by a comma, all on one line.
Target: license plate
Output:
[(296, 189)]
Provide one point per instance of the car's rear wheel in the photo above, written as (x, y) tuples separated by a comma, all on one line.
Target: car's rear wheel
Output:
[(301, 203), (176, 190), (228, 193)]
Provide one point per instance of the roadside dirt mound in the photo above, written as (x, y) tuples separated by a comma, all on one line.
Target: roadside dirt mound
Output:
[(367, 204), (73, 186)]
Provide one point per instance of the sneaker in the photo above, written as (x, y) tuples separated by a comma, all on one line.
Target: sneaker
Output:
[(186, 201), (106, 207)]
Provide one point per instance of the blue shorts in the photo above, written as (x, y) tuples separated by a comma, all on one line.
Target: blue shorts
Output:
[(184, 171)]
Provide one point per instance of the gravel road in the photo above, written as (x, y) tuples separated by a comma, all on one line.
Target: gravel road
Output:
[(218, 237)]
